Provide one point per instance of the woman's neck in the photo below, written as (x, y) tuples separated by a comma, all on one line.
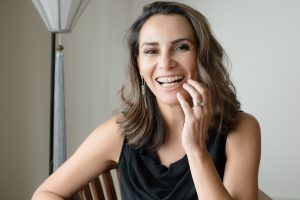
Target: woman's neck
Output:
[(174, 119)]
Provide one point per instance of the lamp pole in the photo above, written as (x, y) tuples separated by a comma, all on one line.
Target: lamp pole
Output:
[(53, 46), (60, 16)]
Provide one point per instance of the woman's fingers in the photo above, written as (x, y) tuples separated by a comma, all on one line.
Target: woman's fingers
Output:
[(196, 97), (203, 92), (197, 118), (184, 105), (201, 98)]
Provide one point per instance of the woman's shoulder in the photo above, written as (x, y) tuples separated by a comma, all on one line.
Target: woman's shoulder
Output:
[(109, 135), (93, 156), (245, 134), (245, 123), (243, 156), (109, 127)]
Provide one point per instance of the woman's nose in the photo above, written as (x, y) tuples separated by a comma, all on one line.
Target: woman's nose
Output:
[(166, 61)]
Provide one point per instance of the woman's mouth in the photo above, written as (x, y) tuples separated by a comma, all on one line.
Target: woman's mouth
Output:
[(170, 81)]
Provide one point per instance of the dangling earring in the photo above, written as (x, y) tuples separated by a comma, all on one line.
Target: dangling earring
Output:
[(144, 91)]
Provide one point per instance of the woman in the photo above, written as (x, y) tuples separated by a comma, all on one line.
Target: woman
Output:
[(179, 133)]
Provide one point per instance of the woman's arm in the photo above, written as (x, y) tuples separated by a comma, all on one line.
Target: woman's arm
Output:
[(241, 171), (94, 155), (243, 150), (240, 179)]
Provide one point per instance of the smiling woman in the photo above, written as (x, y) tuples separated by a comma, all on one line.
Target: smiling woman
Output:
[(179, 133), (168, 56), (166, 40)]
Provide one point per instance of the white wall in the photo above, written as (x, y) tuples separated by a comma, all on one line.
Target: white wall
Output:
[(95, 59)]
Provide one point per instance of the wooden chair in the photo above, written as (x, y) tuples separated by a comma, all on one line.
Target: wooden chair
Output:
[(95, 189)]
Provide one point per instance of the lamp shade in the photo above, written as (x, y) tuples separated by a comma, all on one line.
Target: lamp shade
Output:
[(60, 15)]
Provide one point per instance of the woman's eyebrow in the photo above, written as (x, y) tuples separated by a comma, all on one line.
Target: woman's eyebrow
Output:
[(182, 39), (173, 42), (150, 43)]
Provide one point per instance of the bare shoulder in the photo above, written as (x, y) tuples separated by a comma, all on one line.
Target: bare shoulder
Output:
[(243, 157), (108, 136), (99, 150), (94, 155), (247, 130)]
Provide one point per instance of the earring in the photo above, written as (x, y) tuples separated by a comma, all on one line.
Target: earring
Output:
[(144, 91)]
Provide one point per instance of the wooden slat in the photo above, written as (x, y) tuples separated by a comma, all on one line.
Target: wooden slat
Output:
[(86, 193), (97, 190), (119, 176), (109, 186), (94, 190)]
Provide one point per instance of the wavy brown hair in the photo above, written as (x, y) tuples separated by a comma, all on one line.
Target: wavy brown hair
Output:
[(144, 125)]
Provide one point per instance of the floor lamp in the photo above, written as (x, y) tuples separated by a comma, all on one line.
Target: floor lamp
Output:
[(60, 16)]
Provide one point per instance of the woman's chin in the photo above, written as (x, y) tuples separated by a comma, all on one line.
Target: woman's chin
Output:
[(170, 100), (170, 97)]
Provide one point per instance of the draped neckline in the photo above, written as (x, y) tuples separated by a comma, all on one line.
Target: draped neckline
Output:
[(172, 164), (143, 176)]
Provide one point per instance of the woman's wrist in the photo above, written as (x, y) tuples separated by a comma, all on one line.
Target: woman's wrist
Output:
[(199, 151)]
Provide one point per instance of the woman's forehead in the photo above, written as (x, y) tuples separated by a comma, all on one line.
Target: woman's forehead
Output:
[(163, 28)]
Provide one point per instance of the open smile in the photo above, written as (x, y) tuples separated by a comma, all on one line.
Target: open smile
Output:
[(169, 81)]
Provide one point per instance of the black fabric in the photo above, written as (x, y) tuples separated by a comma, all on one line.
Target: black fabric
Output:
[(144, 178)]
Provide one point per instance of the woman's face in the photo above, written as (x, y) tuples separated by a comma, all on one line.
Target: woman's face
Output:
[(167, 56)]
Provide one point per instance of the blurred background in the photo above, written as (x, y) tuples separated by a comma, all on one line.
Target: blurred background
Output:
[(260, 37)]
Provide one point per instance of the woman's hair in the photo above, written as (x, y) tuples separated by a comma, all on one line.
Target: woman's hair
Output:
[(143, 125)]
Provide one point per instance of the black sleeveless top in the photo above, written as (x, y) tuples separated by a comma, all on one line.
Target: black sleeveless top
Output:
[(144, 178)]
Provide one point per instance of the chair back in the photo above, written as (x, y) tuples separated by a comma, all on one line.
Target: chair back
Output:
[(95, 189)]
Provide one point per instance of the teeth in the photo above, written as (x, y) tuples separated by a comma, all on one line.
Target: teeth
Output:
[(168, 85), (169, 79)]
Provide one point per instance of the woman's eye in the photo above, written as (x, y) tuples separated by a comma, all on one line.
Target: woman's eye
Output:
[(182, 47), (150, 52)]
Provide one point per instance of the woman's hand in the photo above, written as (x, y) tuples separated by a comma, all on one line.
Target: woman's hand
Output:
[(197, 117)]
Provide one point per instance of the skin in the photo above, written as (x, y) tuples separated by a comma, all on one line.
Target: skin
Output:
[(167, 49)]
